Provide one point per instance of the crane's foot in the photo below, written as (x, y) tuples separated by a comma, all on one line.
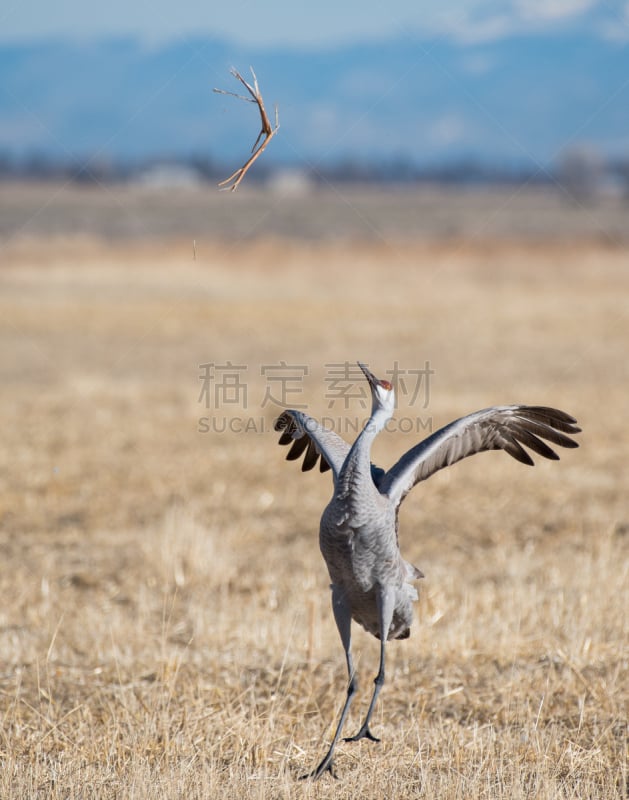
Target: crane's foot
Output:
[(327, 765), (363, 733)]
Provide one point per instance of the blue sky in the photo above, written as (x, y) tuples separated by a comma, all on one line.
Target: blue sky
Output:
[(326, 22), (431, 81)]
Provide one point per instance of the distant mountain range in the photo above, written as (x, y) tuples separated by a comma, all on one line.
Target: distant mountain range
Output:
[(517, 99)]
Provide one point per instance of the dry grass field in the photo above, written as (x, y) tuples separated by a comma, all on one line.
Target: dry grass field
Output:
[(165, 627)]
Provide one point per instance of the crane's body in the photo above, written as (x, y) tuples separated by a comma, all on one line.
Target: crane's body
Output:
[(358, 540), (371, 582), (358, 565)]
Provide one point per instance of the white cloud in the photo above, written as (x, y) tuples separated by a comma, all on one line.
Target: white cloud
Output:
[(478, 64), (615, 29), (471, 31), (547, 10), (322, 24), (613, 32), (447, 130), (488, 20)]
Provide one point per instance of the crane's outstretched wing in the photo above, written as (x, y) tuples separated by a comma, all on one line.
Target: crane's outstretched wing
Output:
[(497, 428), (306, 434)]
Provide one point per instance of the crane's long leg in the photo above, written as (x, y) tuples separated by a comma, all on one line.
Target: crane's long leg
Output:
[(343, 617), (386, 606)]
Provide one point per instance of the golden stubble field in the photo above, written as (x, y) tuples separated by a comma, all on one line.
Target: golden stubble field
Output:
[(165, 628)]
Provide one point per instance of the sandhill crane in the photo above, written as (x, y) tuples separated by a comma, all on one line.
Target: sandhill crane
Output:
[(358, 535)]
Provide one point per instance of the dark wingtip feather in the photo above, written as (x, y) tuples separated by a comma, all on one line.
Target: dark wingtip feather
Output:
[(534, 425), (293, 434), (285, 438), (299, 445), (516, 450), (311, 457), (528, 439), (554, 418), (282, 422), (555, 413)]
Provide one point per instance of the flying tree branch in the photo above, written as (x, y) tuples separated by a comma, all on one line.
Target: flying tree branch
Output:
[(267, 131)]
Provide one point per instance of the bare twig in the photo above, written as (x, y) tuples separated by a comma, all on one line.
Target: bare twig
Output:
[(267, 132)]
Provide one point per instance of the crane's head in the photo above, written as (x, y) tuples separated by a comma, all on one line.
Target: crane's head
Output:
[(382, 393)]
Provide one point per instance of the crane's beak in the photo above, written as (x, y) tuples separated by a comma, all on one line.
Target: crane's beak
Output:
[(370, 376)]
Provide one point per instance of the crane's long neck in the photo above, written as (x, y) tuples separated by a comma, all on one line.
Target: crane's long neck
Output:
[(356, 471)]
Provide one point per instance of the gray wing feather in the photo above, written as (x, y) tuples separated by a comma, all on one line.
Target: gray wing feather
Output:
[(498, 428), (305, 434)]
